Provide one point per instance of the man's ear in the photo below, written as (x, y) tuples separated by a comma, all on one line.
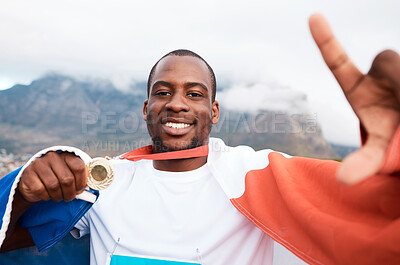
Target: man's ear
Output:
[(215, 112), (145, 103)]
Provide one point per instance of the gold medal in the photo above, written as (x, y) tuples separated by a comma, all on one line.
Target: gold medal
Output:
[(101, 173)]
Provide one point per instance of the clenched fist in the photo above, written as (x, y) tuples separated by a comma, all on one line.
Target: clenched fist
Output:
[(54, 176)]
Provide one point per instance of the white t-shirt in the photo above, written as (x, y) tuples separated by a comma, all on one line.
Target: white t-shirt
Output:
[(172, 216)]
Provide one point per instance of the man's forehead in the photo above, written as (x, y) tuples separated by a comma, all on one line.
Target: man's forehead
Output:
[(183, 66)]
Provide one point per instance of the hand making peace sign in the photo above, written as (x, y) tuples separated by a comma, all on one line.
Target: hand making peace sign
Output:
[(374, 97)]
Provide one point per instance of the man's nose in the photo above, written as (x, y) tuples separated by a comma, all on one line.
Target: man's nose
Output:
[(178, 103)]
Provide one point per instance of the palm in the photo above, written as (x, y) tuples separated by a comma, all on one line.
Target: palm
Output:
[(375, 98)]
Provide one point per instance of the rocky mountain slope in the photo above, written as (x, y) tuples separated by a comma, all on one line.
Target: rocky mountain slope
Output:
[(98, 118)]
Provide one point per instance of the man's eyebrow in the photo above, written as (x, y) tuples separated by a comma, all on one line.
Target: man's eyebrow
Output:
[(161, 83), (192, 84)]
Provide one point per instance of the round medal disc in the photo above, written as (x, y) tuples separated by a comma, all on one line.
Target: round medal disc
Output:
[(101, 173)]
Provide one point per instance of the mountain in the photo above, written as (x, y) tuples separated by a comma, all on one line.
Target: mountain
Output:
[(59, 109), (294, 134), (343, 150), (102, 120), (55, 101)]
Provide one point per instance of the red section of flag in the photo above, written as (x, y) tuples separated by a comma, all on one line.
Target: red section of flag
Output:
[(299, 203)]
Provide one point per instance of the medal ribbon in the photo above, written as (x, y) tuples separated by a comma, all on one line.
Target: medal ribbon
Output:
[(146, 152)]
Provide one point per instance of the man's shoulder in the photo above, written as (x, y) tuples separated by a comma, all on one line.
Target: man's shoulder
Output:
[(125, 166), (220, 150)]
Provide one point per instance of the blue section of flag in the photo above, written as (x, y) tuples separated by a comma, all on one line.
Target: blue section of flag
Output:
[(5, 188), (47, 221), (126, 260), (69, 251)]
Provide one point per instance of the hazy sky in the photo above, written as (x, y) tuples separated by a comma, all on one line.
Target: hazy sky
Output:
[(249, 43)]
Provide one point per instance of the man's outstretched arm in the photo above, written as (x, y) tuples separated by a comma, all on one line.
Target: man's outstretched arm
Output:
[(54, 176), (17, 236), (374, 97)]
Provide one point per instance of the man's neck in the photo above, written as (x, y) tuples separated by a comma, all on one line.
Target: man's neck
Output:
[(179, 165)]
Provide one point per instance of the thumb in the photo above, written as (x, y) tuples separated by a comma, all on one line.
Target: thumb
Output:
[(363, 163)]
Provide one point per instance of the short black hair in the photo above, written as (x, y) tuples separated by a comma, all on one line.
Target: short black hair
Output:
[(183, 52)]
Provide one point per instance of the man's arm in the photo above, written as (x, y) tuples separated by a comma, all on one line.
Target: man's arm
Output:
[(374, 97), (53, 176), (17, 236)]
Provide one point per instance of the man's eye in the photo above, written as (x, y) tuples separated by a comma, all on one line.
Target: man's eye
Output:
[(194, 94), (163, 93)]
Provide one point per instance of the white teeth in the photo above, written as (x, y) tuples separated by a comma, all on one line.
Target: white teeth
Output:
[(177, 125)]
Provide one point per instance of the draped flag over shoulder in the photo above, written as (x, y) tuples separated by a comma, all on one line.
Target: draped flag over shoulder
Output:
[(297, 202)]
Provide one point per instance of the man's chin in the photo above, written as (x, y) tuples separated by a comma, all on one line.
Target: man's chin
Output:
[(161, 146)]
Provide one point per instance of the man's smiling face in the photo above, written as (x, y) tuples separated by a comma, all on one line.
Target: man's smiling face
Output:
[(179, 111)]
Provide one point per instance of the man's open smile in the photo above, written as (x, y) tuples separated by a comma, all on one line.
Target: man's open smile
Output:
[(177, 125), (177, 128)]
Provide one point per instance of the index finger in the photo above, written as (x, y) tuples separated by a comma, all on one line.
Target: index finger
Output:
[(78, 169), (345, 72)]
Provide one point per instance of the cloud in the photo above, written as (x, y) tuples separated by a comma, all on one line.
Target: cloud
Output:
[(5, 82), (339, 123), (261, 96), (257, 42)]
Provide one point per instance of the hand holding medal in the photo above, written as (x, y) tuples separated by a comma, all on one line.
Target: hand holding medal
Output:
[(62, 173)]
